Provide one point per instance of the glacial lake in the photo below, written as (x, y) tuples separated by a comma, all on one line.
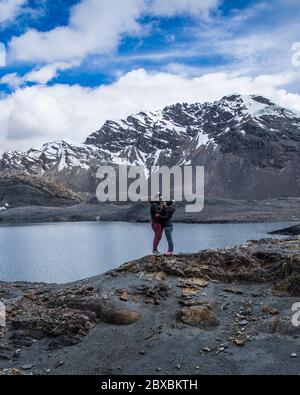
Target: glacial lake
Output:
[(66, 252)]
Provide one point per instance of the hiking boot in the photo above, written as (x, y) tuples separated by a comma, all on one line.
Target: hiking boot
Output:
[(169, 253), (156, 253)]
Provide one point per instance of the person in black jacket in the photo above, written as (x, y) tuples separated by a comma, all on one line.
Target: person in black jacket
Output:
[(156, 222), (166, 216)]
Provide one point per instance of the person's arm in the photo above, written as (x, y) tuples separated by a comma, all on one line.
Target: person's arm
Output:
[(156, 211), (164, 215)]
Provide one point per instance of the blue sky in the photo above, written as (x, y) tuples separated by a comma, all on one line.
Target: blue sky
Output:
[(79, 62)]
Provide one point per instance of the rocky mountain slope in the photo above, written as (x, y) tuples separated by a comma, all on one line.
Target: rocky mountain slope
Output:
[(20, 190), (249, 146)]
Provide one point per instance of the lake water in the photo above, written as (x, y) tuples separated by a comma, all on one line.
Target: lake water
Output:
[(68, 252)]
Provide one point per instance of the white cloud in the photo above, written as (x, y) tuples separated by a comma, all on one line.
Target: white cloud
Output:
[(191, 7), (39, 75), (12, 80), (2, 55), (9, 9), (46, 73), (95, 26), (33, 115)]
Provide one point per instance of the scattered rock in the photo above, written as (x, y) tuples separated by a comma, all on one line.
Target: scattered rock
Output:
[(186, 292), (11, 372), (233, 291), (159, 276), (124, 296), (16, 372), (269, 310), (27, 366), (201, 316), (193, 283), (243, 323), (225, 306), (154, 294), (246, 309), (239, 342)]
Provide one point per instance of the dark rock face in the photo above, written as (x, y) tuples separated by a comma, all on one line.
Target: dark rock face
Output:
[(291, 231), (23, 190), (249, 146)]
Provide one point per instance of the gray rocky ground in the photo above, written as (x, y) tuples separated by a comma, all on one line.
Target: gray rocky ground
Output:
[(215, 210), (226, 311)]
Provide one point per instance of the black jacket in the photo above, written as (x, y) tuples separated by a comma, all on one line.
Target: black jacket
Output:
[(155, 209), (166, 216)]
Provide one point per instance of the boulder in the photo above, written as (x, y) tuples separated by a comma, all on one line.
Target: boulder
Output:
[(201, 316), (117, 315)]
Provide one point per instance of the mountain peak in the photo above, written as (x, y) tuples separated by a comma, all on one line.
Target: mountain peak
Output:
[(237, 134), (254, 106)]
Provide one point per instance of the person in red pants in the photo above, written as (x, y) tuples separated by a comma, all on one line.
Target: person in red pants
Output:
[(156, 223)]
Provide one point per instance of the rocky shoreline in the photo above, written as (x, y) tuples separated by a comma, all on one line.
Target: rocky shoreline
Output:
[(225, 311), (215, 211), (290, 231)]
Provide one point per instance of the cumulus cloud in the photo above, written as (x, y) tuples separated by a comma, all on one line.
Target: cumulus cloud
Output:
[(10, 9), (33, 115), (39, 75), (12, 80), (95, 26), (47, 73)]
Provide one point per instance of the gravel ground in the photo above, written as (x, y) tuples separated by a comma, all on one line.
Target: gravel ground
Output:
[(217, 312)]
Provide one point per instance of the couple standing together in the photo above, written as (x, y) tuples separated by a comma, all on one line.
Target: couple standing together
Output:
[(161, 220)]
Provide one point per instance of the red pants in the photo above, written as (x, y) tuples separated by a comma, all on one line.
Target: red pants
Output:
[(158, 231)]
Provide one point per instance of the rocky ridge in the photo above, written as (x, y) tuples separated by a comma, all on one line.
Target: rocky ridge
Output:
[(248, 145), (20, 189)]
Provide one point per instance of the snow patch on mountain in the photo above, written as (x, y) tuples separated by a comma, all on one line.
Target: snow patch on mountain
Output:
[(171, 136)]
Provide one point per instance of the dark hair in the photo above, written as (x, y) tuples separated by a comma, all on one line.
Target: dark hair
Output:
[(170, 203)]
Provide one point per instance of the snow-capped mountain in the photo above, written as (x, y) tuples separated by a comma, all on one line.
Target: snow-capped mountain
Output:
[(249, 146)]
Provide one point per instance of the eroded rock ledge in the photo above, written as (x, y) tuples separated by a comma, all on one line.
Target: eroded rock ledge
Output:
[(237, 295), (265, 261)]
